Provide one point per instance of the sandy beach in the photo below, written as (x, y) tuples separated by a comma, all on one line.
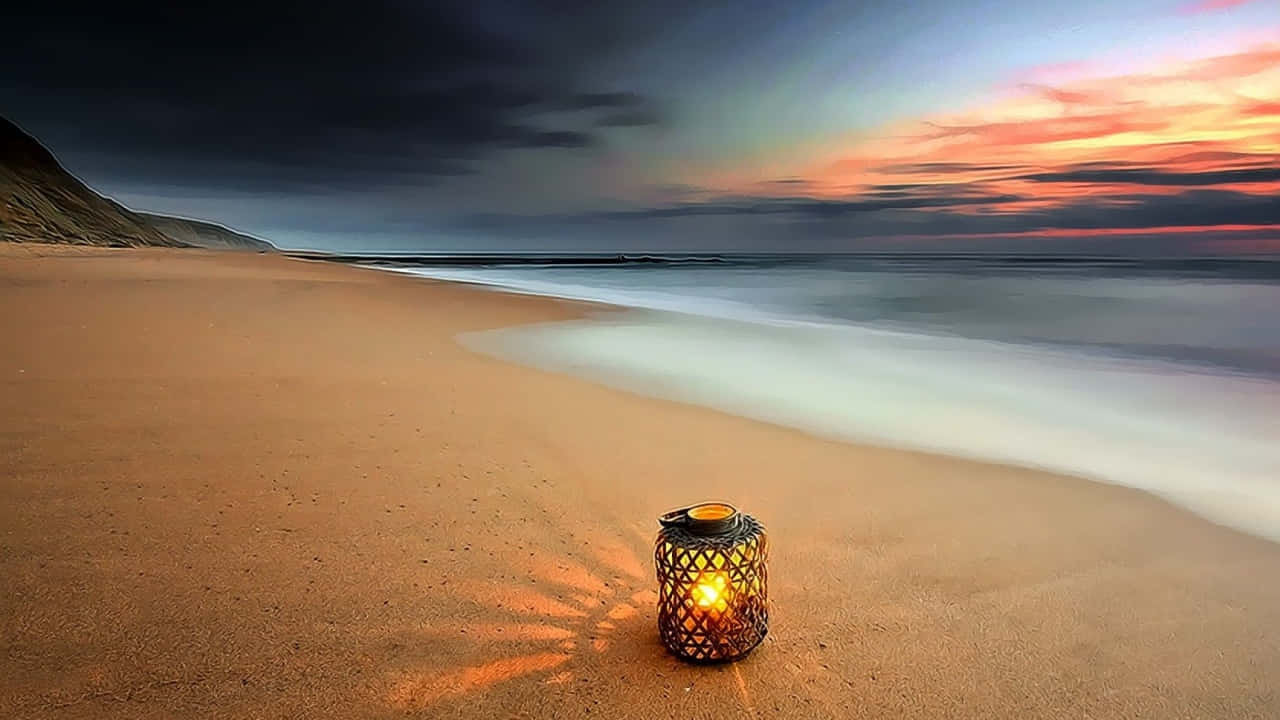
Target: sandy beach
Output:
[(240, 485)]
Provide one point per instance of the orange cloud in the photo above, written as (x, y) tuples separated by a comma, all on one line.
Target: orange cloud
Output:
[(1253, 234), (1261, 109), (1204, 123)]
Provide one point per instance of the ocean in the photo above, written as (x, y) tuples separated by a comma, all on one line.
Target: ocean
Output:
[(1160, 375)]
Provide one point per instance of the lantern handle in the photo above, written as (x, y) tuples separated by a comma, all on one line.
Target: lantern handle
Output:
[(675, 518), (727, 520)]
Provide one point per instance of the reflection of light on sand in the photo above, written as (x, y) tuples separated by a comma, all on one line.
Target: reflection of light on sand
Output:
[(621, 611), (575, 612), (568, 573), (742, 689), (614, 555), (523, 600), (411, 692), (558, 623), (559, 678), (516, 633)]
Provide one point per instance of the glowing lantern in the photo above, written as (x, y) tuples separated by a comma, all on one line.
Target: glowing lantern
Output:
[(712, 593)]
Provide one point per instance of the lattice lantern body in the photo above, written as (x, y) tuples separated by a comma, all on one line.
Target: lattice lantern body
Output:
[(712, 589)]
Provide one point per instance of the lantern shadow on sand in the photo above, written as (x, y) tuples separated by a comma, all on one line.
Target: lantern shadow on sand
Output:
[(547, 628), (545, 623), (558, 621)]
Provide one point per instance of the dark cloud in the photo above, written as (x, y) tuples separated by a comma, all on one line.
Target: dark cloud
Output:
[(760, 206), (974, 189), (796, 207), (630, 118), (610, 100), (683, 190), (292, 94), (1192, 208), (1153, 176), (1256, 168), (552, 139), (813, 223), (941, 168)]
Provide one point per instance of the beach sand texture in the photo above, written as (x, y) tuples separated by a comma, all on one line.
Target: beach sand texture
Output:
[(249, 486)]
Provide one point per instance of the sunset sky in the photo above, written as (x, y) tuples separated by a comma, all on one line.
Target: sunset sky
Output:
[(1101, 126)]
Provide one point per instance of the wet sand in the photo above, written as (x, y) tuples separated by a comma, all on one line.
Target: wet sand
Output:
[(241, 485)]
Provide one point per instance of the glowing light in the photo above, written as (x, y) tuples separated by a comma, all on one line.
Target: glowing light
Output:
[(710, 591)]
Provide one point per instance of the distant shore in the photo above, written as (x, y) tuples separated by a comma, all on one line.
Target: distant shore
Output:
[(243, 485)]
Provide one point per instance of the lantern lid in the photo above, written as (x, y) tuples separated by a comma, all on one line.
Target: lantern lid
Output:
[(709, 518)]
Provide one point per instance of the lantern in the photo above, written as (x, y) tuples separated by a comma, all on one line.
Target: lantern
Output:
[(712, 594)]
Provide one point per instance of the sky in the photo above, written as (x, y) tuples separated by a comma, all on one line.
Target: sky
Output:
[(1148, 127)]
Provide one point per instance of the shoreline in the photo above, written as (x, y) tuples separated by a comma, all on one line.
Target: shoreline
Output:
[(242, 483), (589, 310), (1225, 502)]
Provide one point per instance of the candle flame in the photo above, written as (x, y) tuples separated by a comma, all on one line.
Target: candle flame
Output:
[(710, 590)]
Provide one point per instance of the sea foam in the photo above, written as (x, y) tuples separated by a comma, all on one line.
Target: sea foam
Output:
[(1207, 441)]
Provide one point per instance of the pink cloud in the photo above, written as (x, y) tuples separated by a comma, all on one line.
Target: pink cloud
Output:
[(1066, 97), (1206, 6)]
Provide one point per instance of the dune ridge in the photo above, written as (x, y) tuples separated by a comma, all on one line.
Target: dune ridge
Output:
[(42, 202)]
